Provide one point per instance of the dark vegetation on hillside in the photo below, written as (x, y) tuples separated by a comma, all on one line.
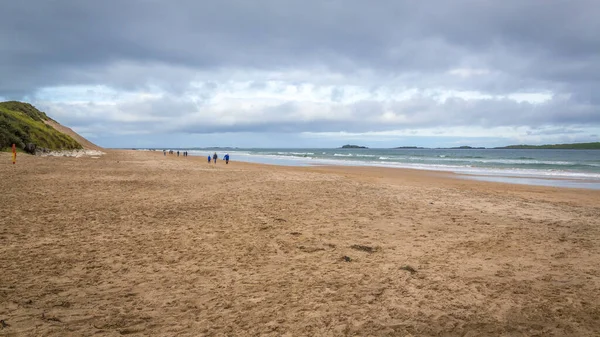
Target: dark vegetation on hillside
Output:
[(22, 124), (575, 146)]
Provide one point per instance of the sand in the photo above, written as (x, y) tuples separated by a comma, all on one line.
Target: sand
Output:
[(86, 144), (136, 243)]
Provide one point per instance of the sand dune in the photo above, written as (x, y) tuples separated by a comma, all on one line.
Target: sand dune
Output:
[(87, 145), (141, 244)]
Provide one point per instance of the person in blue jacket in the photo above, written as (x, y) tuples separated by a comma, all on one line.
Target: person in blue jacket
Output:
[(226, 157), (209, 158)]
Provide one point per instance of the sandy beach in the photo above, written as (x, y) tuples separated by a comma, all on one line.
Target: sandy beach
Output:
[(134, 243)]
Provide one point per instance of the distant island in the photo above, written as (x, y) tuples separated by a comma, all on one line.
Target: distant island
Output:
[(466, 148), (574, 146), (348, 146)]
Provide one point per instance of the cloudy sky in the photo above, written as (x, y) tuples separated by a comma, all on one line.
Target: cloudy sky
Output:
[(310, 73)]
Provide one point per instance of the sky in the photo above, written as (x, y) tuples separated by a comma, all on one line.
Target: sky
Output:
[(310, 73)]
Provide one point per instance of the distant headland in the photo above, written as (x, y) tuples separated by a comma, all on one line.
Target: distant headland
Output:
[(573, 146)]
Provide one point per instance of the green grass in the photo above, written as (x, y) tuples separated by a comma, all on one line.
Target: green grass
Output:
[(22, 123)]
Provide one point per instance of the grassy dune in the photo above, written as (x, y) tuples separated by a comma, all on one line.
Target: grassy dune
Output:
[(22, 124)]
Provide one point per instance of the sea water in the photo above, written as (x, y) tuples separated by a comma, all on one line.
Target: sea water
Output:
[(567, 168)]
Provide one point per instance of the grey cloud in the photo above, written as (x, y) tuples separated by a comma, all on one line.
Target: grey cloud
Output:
[(549, 41), (527, 46), (554, 131)]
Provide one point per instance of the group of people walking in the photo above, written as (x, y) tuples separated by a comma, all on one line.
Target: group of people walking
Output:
[(215, 157), (212, 158), (183, 153)]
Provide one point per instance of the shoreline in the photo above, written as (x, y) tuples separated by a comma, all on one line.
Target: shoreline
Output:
[(584, 183), (553, 176), (397, 175), (560, 183)]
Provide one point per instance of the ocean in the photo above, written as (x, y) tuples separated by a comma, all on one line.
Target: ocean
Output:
[(561, 168)]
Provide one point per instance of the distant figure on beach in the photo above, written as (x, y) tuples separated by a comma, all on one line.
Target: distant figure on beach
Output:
[(215, 157), (177, 153), (209, 158), (226, 157), (165, 153)]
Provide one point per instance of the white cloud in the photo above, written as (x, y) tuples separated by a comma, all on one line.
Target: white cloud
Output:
[(216, 105), (533, 97), (468, 72)]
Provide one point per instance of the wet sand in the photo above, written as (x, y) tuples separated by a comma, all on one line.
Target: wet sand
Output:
[(136, 243)]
